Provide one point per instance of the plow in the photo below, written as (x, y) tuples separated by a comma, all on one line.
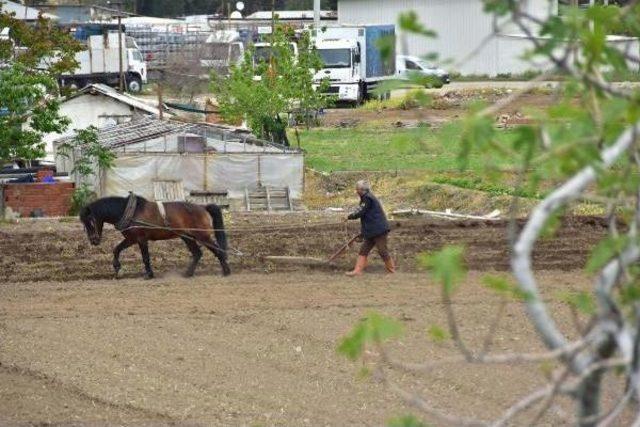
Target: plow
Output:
[(314, 261)]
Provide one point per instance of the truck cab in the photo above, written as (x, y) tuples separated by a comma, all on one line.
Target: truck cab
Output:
[(136, 67), (262, 51), (341, 59)]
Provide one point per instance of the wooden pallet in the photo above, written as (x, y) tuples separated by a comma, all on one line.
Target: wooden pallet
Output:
[(220, 198), (168, 191), (268, 199)]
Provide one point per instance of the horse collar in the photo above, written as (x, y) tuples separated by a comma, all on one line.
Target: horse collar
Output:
[(127, 215)]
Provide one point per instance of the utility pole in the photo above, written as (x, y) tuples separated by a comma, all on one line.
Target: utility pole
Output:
[(121, 79), (120, 65), (316, 14), (273, 20)]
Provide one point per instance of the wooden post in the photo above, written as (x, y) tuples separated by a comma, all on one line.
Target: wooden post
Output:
[(120, 64), (160, 102)]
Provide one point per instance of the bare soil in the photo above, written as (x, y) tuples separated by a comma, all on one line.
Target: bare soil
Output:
[(446, 107), (257, 348), (45, 251)]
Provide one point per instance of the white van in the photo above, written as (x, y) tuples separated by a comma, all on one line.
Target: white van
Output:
[(405, 65)]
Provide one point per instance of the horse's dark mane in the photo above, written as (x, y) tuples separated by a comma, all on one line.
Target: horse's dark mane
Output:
[(110, 209)]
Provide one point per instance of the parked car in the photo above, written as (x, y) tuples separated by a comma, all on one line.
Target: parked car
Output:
[(405, 65)]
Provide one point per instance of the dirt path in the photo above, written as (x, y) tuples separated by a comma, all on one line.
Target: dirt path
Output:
[(252, 349)]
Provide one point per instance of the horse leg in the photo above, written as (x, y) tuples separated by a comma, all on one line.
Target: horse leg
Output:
[(116, 254), (196, 254), (144, 251), (208, 242)]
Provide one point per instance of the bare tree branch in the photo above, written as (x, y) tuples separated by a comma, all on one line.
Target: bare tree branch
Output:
[(521, 260), (506, 358)]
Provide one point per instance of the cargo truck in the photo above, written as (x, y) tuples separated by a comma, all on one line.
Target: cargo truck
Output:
[(353, 61), (99, 63)]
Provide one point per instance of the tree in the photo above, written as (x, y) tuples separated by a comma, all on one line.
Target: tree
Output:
[(264, 87), (589, 141), (29, 105), (89, 157)]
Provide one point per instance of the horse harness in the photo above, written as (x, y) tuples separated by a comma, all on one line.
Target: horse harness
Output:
[(163, 213), (128, 213)]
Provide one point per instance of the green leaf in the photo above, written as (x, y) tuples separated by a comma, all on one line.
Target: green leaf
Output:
[(605, 251), (374, 328), (581, 301), (446, 266), (630, 294), (410, 22), (503, 286), (406, 421), (437, 334), (477, 133)]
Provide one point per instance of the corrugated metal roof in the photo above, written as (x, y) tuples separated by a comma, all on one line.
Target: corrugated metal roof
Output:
[(150, 128), (23, 12), (132, 101), (292, 14), (139, 130), (135, 131)]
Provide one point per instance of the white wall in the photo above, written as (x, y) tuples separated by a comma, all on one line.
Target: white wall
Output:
[(86, 110), (462, 25)]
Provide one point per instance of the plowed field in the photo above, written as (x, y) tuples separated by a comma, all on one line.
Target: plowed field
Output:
[(257, 348)]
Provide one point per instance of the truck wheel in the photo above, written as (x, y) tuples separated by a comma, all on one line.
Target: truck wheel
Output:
[(134, 84), (364, 95)]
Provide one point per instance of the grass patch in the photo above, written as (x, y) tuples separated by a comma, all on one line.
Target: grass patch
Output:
[(388, 149), (412, 99), (478, 184)]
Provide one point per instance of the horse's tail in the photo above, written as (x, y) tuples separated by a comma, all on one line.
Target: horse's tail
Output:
[(218, 225)]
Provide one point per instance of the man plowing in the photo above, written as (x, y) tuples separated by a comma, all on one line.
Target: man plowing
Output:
[(374, 229)]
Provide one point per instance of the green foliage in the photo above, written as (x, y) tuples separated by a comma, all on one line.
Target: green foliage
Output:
[(32, 44), (373, 329), (29, 107), (446, 266), (82, 196), (262, 91), (630, 294), (26, 97), (504, 287), (437, 333), (91, 156), (606, 250), (581, 301), (406, 421), (410, 100)]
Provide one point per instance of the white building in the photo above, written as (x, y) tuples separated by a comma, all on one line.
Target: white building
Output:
[(465, 32), (100, 106), (22, 12)]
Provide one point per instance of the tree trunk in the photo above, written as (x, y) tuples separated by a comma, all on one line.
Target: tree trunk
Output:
[(589, 400)]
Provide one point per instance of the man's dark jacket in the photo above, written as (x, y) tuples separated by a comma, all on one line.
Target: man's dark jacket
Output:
[(372, 218)]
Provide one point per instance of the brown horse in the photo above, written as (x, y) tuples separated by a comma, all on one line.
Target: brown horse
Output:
[(141, 221)]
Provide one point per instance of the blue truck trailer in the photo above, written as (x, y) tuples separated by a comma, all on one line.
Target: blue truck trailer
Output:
[(353, 61)]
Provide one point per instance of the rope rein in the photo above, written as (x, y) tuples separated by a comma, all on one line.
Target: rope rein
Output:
[(273, 227)]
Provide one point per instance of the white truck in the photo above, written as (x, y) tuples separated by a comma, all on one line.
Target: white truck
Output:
[(353, 61), (99, 63)]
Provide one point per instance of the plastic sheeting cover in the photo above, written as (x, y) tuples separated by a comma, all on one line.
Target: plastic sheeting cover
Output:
[(229, 172)]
